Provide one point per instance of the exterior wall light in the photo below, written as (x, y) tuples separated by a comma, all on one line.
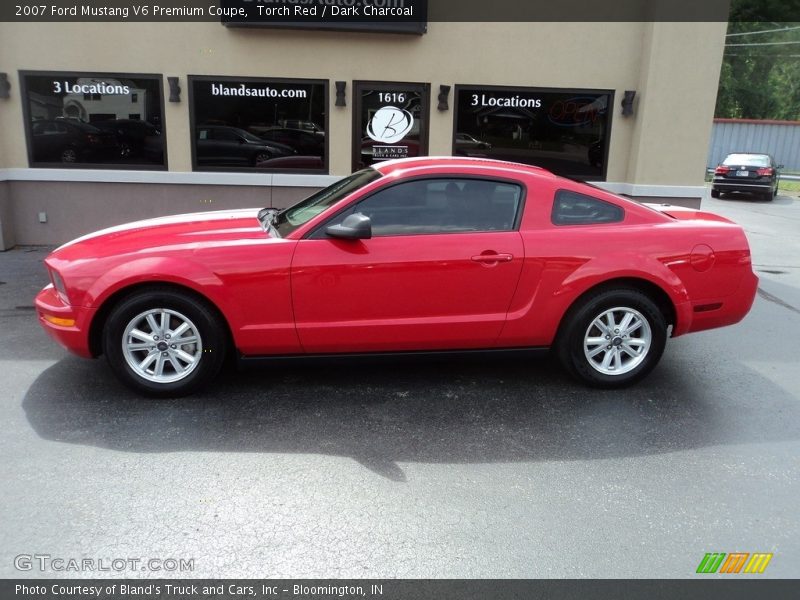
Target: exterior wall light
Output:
[(174, 89), (5, 86), (341, 97), (444, 97), (627, 103)]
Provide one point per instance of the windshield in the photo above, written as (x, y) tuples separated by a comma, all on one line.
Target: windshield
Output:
[(286, 221), (249, 136), (754, 160)]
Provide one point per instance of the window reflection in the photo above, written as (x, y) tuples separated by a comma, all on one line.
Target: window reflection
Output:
[(562, 131), (259, 124), (94, 120)]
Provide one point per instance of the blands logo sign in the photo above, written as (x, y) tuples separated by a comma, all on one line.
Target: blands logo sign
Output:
[(390, 124), (735, 562)]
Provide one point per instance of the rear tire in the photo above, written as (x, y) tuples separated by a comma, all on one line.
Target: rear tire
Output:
[(767, 197), (164, 343), (714, 193), (612, 338)]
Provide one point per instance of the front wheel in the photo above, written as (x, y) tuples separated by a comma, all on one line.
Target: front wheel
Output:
[(613, 338), (164, 343), (260, 158)]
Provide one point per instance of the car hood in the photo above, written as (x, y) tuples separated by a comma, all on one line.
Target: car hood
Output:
[(187, 231)]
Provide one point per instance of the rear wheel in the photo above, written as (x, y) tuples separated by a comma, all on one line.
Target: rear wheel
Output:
[(612, 338), (714, 193), (767, 197), (163, 342)]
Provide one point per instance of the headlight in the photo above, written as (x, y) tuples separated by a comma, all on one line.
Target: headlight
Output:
[(58, 283)]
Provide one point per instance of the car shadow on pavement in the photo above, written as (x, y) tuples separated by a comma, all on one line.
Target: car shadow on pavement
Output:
[(456, 412)]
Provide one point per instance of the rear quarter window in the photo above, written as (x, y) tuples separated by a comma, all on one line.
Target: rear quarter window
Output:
[(572, 208)]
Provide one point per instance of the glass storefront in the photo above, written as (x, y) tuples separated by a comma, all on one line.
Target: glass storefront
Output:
[(564, 131), (94, 120), (390, 120), (259, 124)]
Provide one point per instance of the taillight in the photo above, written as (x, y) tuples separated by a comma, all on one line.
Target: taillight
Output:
[(722, 170), (765, 172)]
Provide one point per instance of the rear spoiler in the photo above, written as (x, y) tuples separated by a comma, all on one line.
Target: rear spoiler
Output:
[(683, 213)]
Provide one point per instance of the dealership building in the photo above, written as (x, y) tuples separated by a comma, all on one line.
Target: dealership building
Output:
[(107, 122)]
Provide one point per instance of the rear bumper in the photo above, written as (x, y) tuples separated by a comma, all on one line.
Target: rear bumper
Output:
[(75, 336), (729, 310), (732, 185)]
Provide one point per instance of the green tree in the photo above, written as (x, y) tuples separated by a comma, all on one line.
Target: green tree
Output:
[(760, 77)]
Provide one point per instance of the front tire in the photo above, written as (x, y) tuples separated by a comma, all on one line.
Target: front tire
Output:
[(164, 343), (612, 338), (261, 157)]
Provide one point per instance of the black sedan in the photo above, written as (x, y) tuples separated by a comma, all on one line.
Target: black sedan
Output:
[(747, 173), (70, 141), (230, 146), (304, 142)]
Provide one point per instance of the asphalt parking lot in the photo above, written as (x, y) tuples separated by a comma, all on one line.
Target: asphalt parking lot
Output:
[(464, 469)]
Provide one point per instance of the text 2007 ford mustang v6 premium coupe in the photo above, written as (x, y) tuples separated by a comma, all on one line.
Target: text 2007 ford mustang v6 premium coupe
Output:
[(415, 255)]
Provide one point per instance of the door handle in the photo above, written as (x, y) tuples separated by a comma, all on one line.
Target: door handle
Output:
[(493, 258)]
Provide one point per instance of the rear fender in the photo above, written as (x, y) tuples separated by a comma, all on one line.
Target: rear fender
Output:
[(539, 320), (607, 268)]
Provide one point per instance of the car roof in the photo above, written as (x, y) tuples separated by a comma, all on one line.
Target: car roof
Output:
[(391, 166)]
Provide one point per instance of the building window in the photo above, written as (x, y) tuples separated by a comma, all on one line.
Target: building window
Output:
[(390, 120), (83, 120), (276, 125), (564, 131)]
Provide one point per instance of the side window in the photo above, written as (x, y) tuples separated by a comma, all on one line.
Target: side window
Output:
[(572, 208), (430, 206), (224, 135)]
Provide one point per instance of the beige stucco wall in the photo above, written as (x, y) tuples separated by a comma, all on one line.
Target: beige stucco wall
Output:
[(674, 67)]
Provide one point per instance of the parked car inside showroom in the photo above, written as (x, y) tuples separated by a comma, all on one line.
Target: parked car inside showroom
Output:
[(748, 173), (425, 255)]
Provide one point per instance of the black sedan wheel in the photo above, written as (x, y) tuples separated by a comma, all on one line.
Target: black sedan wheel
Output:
[(162, 342), (612, 338), (261, 157)]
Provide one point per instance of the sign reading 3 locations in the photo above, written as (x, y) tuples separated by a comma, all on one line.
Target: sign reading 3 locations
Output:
[(391, 122), (563, 130)]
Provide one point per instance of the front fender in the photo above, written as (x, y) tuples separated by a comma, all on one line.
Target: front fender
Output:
[(180, 271)]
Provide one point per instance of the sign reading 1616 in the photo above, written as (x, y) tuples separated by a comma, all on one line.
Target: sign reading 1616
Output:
[(398, 97)]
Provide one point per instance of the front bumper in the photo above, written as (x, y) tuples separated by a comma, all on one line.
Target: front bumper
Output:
[(67, 325)]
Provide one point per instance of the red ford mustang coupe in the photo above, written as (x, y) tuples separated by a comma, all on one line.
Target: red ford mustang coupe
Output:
[(417, 255)]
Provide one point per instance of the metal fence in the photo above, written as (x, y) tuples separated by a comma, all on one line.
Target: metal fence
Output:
[(781, 139)]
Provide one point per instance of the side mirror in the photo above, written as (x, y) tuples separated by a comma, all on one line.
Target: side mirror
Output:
[(354, 227)]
